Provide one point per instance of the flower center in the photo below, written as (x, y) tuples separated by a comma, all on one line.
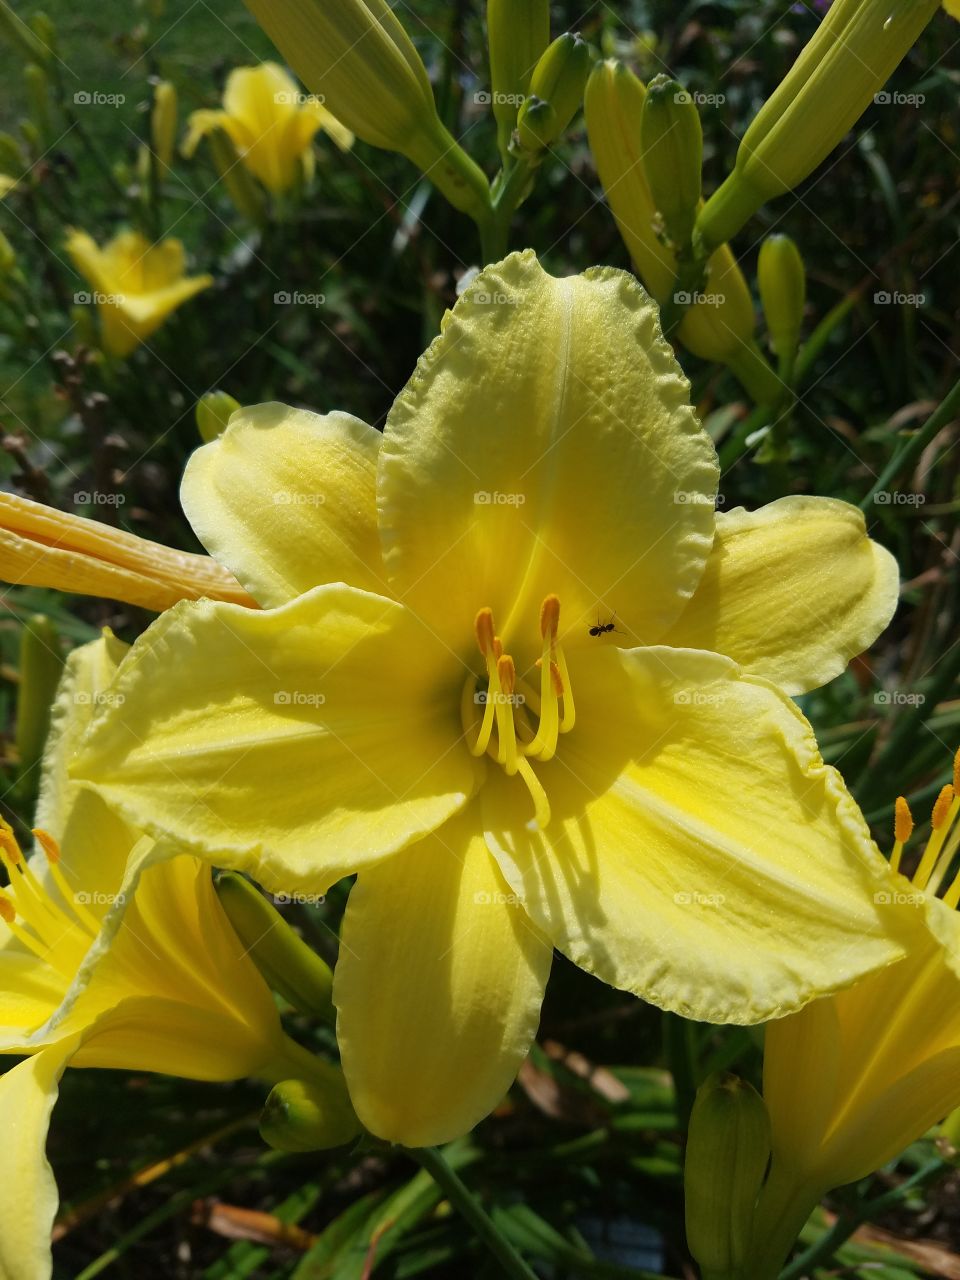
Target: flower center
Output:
[(518, 723), (57, 929), (941, 846)]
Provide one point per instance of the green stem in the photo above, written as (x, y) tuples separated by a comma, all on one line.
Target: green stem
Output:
[(468, 1206), (945, 411), (782, 1211), (680, 1051), (822, 1251), (755, 375), (495, 230)]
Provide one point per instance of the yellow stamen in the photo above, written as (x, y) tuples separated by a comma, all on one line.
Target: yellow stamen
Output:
[(52, 850), (944, 811), (550, 617), (506, 731), (557, 679), (902, 830), (569, 715), (484, 629)]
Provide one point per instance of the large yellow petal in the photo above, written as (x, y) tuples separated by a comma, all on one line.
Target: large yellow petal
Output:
[(700, 854), (42, 547), (299, 743), (287, 499), (791, 592), (27, 1095), (438, 986), (546, 444)]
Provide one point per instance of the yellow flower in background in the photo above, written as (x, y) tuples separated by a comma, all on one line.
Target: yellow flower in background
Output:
[(136, 284), (272, 124), (534, 529), (7, 184), (851, 1080), (109, 961), (953, 8)]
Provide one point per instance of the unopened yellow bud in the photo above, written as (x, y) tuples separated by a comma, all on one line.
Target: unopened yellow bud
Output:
[(718, 326), (518, 31), (163, 122), (782, 282), (310, 1116), (358, 57), (672, 141), (287, 964), (728, 1147), (243, 190), (212, 414), (556, 91), (848, 59)]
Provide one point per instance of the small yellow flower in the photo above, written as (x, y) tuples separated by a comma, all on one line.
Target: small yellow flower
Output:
[(109, 958), (851, 1080), (271, 123), (136, 284), (534, 529)]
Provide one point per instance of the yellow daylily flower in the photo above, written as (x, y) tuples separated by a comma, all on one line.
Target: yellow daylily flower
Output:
[(953, 8), (530, 530), (43, 547), (136, 284), (853, 1079), (110, 958), (271, 123)]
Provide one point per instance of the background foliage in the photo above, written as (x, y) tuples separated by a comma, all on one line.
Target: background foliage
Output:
[(582, 1163)]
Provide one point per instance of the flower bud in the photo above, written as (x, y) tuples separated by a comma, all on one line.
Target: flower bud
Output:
[(721, 326), (728, 1149), (38, 95), (243, 190), (301, 1115), (518, 31), (213, 413), (287, 964), (23, 37), (41, 665), (557, 83), (850, 56), (782, 282), (358, 56), (163, 122), (672, 141)]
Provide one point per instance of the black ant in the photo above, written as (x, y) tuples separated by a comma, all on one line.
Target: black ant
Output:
[(602, 628)]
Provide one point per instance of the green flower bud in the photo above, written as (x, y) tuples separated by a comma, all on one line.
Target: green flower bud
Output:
[(718, 327), (782, 282), (22, 36), (45, 32), (213, 413), (38, 95), (358, 56), (558, 81), (728, 1149), (163, 122), (518, 31), (41, 665), (313, 1115), (672, 141), (848, 59), (242, 188), (287, 964)]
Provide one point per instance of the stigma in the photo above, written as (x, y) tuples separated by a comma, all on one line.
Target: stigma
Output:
[(521, 720), (46, 915)]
